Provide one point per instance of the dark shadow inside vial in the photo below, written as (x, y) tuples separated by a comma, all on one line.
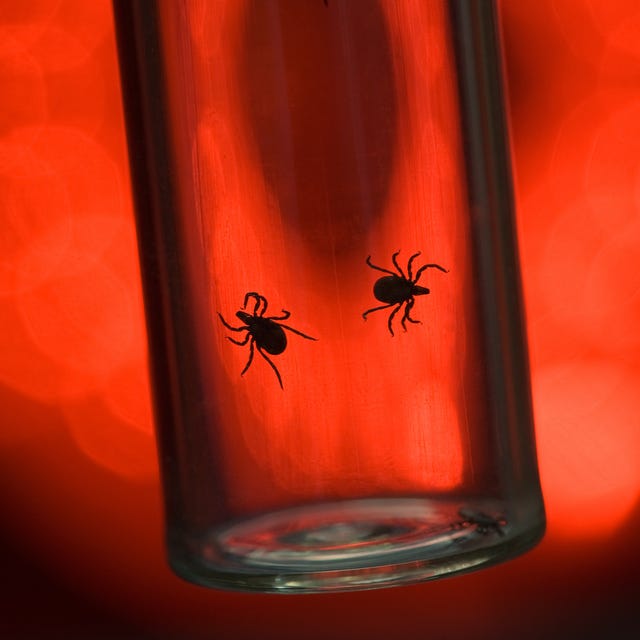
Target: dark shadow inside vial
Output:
[(317, 82)]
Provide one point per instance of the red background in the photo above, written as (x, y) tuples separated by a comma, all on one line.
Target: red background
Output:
[(79, 495)]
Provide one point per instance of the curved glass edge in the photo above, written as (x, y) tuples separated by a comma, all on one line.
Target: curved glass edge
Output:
[(190, 566)]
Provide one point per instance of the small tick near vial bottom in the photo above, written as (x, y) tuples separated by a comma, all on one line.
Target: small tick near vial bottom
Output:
[(483, 523)]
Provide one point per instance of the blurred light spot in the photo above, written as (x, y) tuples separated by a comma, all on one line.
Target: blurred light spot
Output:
[(83, 98), (572, 149), (32, 12), (536, 216), (23, 22), (561, 280), (64, 201), (59, 50), (80, 164), (589, 24), (83, 320), (36, 219), (552, 340), (612, 300), (110, 442), (608, 15), (88, 22), (588, 431), (26, 368), (543, 82), (580, 30), (22, 87), (128, 395), (612, 175), (92, 235), (625, 36)]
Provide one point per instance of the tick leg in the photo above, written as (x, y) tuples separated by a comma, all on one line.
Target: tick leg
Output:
[(259, 300), (241, 343), (373, 266), (285, 315), (384, 306), (273, 366), (304, 335), (394, 259), (246, 366), (410, 264), (428, 266), (393, 313), (406, 315), (226, 324)]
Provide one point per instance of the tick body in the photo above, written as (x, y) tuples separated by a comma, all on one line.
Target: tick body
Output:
[(263, 333), (399, 290)]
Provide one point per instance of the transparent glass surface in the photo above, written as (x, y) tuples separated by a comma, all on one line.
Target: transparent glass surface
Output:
[(325, 222)]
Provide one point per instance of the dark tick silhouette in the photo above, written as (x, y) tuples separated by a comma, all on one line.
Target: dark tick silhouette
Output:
[(264, 333), (483, 523), (399, 290)]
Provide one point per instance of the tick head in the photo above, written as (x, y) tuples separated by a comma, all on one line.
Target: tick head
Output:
[(419, 291), (244, 316)]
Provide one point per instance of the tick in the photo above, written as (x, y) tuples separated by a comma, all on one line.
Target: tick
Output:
[(398, 290), (483, 523), (264, 333)]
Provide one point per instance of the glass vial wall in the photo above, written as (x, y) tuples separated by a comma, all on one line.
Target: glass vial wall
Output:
[(325, 222)]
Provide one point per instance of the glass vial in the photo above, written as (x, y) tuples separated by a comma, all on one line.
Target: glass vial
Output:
[(326, 233)]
